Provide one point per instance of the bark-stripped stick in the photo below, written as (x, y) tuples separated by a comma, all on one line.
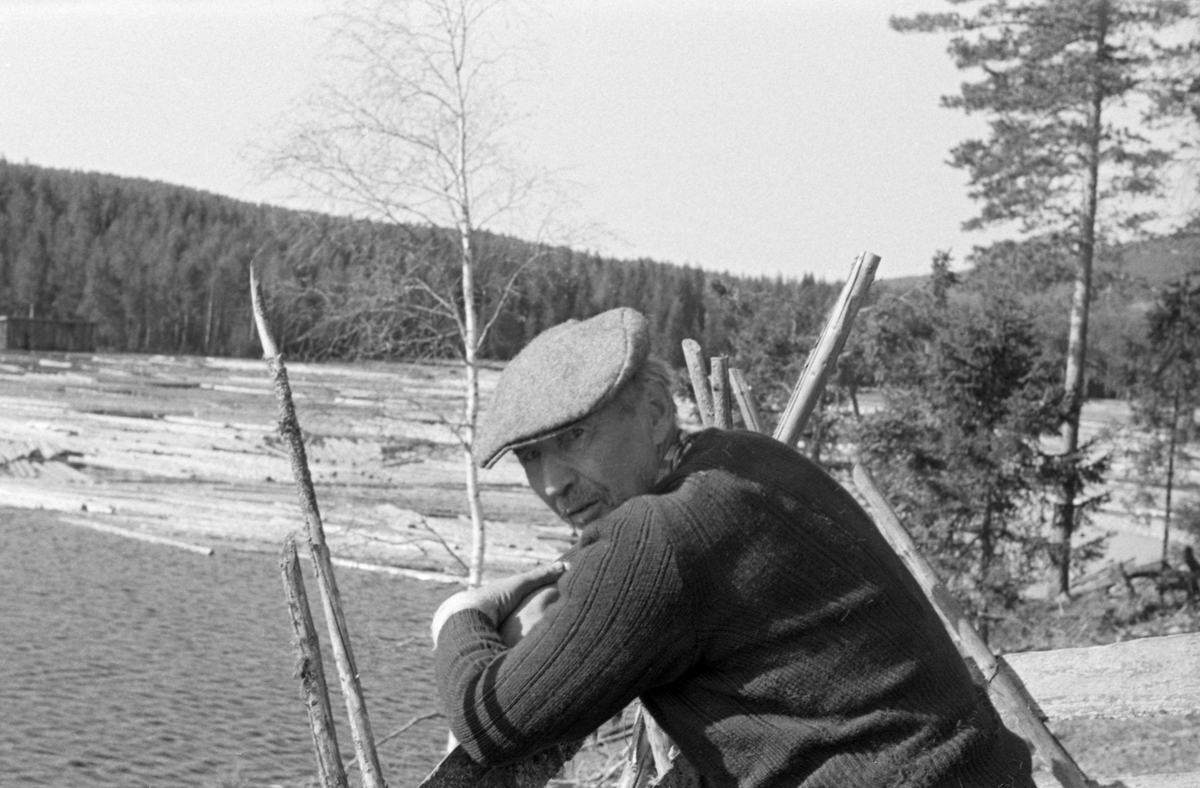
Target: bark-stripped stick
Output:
[(311, 671), (339, 635), (1004, 685), (722, 408), (695, 364), (811, 383), (745, 401)]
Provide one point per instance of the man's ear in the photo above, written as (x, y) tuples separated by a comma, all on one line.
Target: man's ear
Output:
[(660, 411)]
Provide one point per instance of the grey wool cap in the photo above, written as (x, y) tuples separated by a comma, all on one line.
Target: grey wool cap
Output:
[(560, 377)]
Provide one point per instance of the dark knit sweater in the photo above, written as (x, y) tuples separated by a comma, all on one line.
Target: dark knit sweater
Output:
[(763, 621)]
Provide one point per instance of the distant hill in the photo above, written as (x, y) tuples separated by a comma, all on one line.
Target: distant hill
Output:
[(164, 268), (1160, 260), (1148, 263)]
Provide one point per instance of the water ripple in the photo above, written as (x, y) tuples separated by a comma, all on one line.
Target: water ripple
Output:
[(131, 664)]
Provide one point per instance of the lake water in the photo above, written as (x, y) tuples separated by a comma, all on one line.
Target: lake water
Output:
[(131, 664)]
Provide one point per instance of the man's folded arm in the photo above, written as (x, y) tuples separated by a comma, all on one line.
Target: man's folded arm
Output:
[(624, 623)]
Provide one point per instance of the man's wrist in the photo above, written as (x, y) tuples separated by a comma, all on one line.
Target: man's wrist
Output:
[(455, 604)]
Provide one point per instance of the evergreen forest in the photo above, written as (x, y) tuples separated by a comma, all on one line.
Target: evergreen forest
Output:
[(164, 269)]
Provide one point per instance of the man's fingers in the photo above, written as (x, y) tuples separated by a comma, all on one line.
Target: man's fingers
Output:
[(497, 599), (529, 581)]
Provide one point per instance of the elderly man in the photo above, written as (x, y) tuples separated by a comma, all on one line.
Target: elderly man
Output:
[(722, 578)]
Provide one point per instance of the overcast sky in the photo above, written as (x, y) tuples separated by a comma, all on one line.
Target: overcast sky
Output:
[(760, 137)]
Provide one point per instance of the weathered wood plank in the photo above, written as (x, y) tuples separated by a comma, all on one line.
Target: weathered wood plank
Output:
[(457, 770), (1180, 780), (1159, 675)]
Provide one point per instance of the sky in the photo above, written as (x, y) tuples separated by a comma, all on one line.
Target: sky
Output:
[(759, 137)]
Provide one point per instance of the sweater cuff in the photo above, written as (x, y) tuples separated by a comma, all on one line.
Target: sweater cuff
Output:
[(469, 624), (466, 646)]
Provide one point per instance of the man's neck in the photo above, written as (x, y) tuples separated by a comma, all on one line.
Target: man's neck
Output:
[(671, 452)]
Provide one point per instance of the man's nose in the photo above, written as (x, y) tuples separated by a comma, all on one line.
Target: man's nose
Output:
[(557, 478)]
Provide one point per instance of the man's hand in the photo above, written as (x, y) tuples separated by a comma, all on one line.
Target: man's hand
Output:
[(530, 611), (499, 598)]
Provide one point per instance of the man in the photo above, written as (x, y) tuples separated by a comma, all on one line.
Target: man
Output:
[(724, 579)]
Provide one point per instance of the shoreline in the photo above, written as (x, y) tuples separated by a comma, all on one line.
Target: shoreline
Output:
[(209, 550), (186, 449)]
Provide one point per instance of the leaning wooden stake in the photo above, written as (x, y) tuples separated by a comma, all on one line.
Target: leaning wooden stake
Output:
[(745, 401), (811, 383), (1005, 686), (311, 671), (339, 635), (722, 408), (700, 384)]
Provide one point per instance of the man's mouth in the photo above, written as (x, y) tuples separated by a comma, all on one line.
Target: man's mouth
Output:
[(581, 515)]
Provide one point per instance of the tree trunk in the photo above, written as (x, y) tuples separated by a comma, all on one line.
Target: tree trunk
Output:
[(1073, 383), (471, 361), (985, 566), (208, 321), (1170, 473)]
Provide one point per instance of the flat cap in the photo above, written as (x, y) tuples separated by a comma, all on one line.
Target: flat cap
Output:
[(560, 377)]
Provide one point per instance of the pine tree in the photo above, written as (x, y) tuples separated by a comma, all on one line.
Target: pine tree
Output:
[(1073, 90)]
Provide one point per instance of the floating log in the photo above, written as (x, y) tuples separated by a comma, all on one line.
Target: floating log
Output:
[(139, 535)]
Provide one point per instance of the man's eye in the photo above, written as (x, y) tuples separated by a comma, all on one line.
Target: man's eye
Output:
[(573, 434), (527, 456)]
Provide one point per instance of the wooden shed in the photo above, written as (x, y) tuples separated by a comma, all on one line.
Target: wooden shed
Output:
[(27, 333)]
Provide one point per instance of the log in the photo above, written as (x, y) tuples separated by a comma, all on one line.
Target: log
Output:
[(1002, 682), (331, 599), (311, 671), (138, 535), (811, 383), (700, 385), (1156, 675)]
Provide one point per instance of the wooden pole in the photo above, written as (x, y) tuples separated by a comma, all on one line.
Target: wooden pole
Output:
[(722, 408), (700, 385), (339, 634), (1005, 686), (745, 401), (311, 671), (811, 383)]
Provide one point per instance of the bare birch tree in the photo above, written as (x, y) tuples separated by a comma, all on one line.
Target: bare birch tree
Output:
[(411, 129)]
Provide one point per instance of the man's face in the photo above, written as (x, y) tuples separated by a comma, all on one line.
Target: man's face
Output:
[(599, 463)]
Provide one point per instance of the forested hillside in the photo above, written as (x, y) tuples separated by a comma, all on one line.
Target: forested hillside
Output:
[(162, 268)]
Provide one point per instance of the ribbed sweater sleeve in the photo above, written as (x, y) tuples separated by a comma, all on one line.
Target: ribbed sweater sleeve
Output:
[(624, 622)]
